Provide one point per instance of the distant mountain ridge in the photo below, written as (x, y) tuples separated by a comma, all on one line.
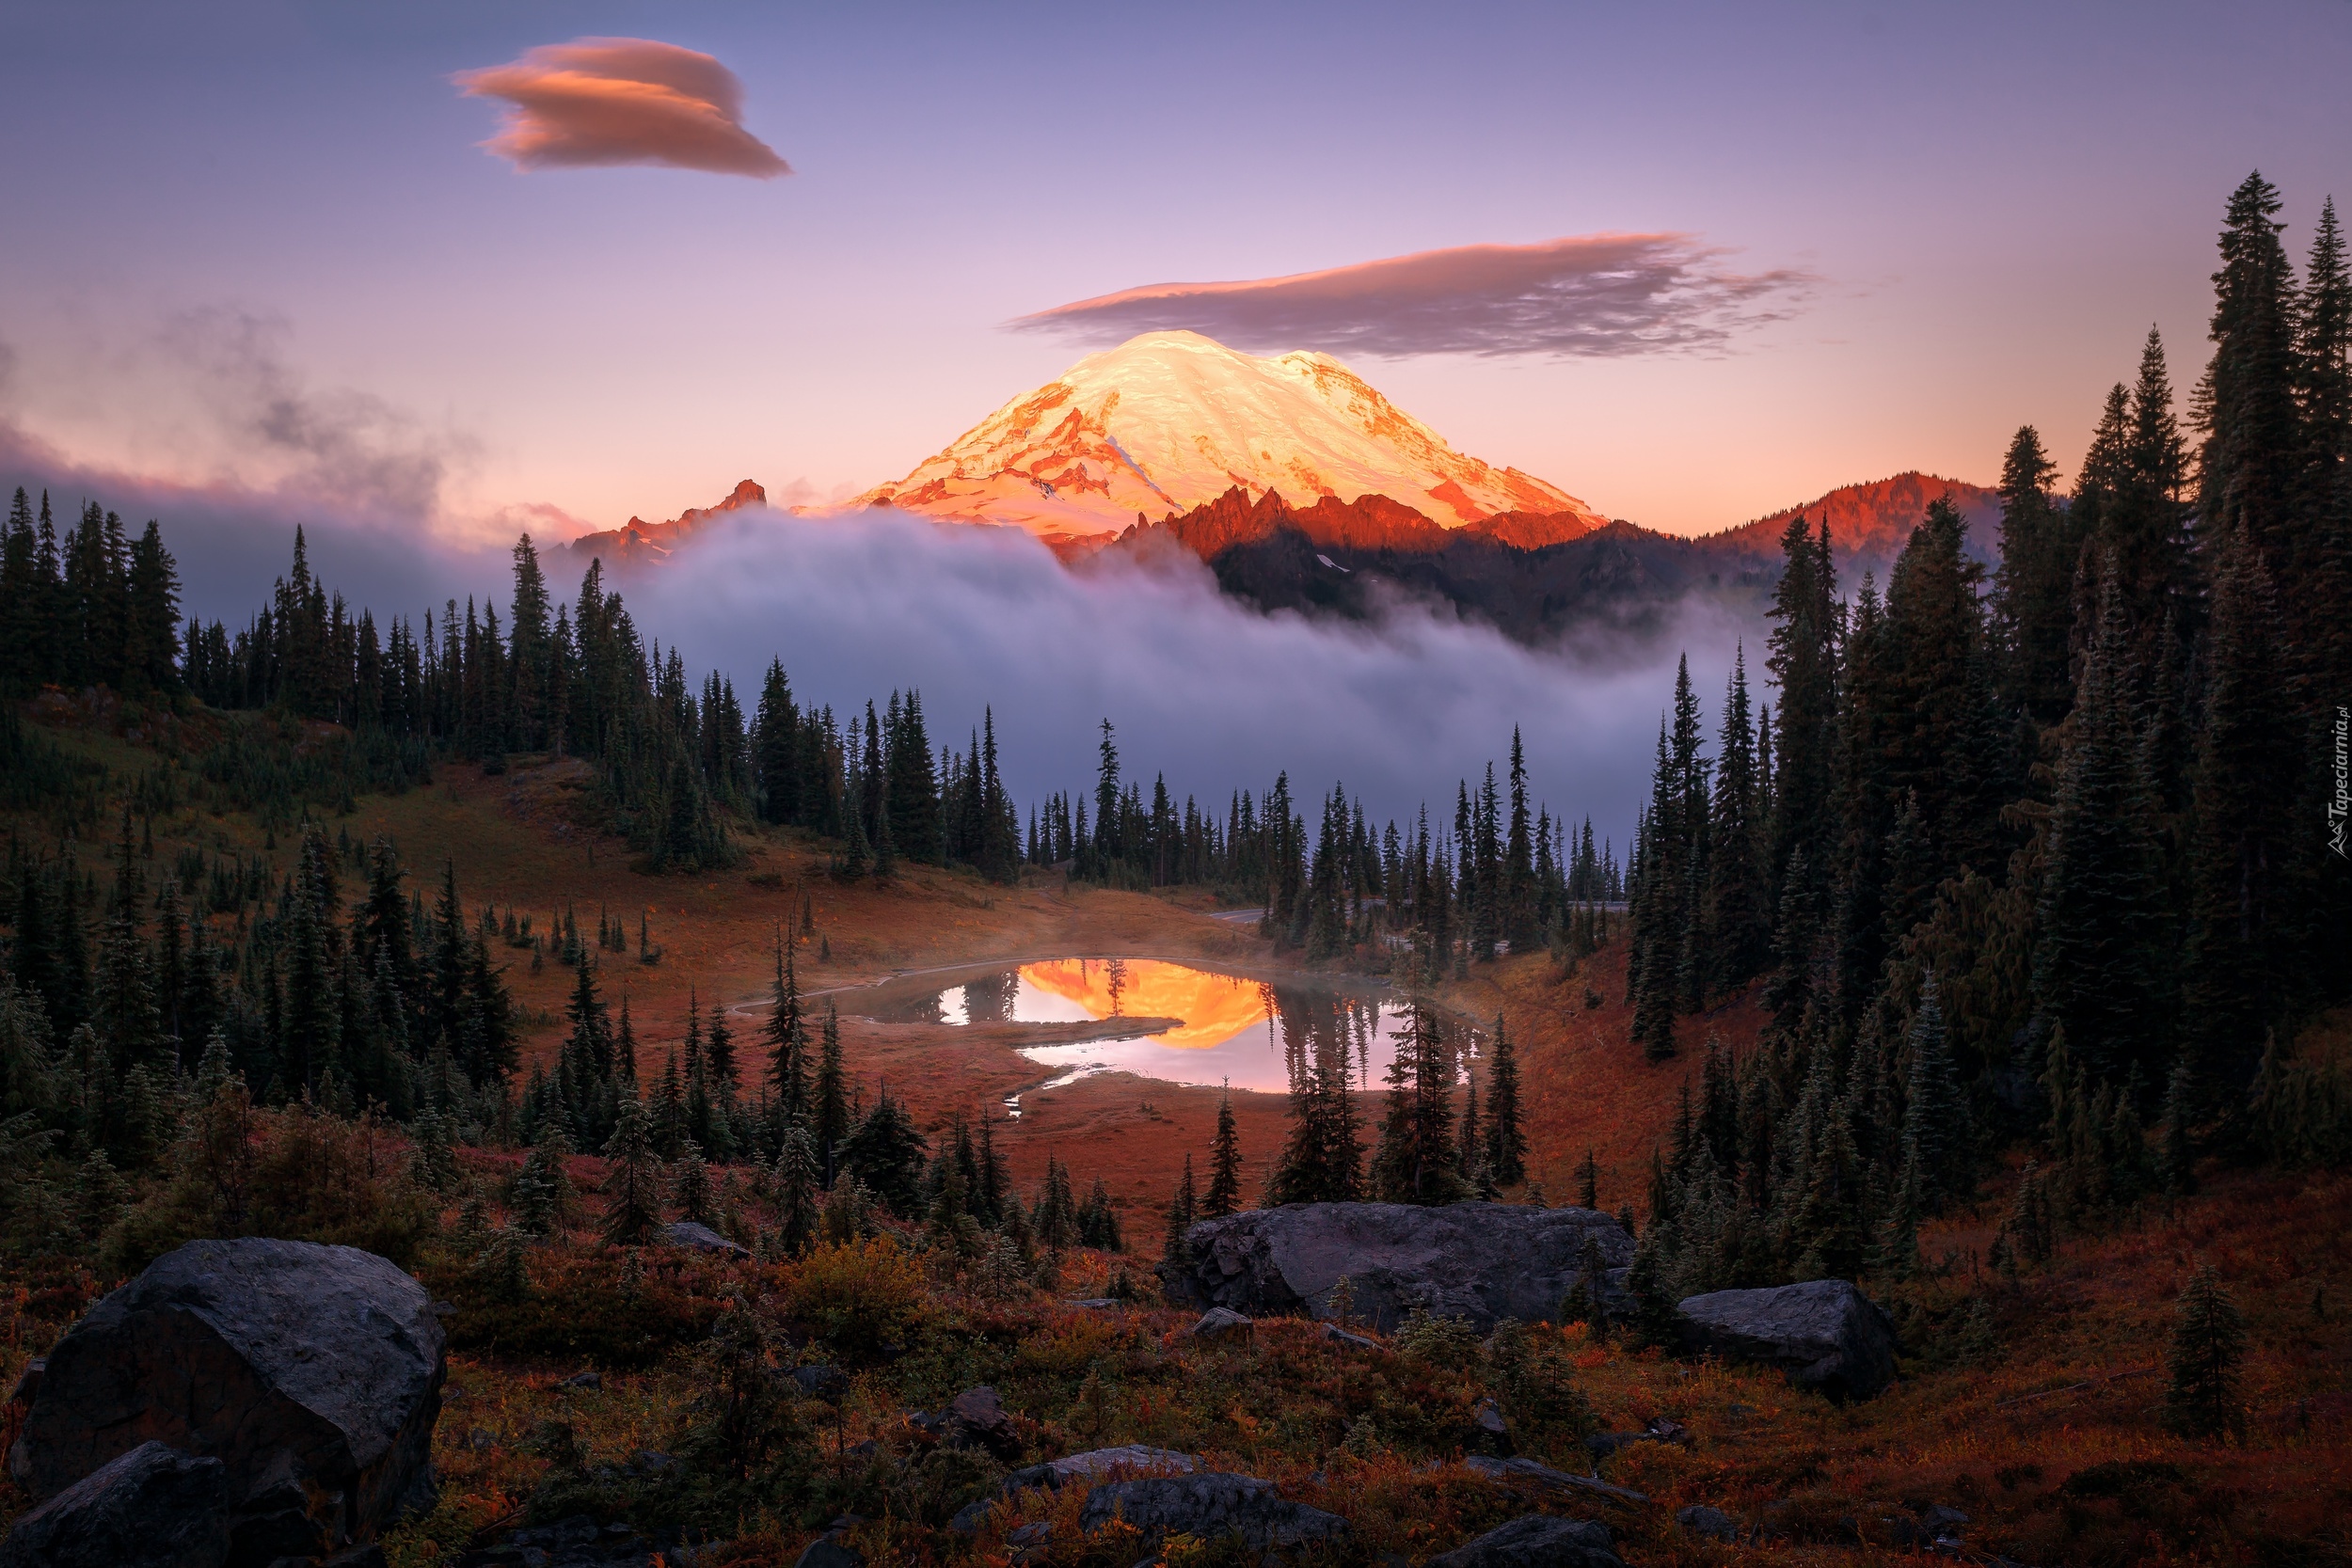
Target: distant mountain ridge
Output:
[(1537, 578), (639, 543), (1869, 523)]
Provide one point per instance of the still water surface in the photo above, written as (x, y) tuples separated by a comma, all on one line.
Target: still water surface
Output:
[(1248, 1032)]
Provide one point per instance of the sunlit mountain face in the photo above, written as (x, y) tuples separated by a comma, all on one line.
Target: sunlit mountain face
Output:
[(1169, 420)]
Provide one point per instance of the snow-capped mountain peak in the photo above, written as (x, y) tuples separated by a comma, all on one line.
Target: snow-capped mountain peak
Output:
[(1167, 420)]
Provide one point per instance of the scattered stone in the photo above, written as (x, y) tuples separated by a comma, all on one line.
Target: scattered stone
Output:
[(583, 1380), (1481, 1262), (1206, 1505), (1031, 1534), (1488, 1420), (1713, 1523), (701, 1238), (1094, 1463), (1603, 1445), (481, 1440), (830, 1384), (1525, 1475), (310, 1372), (1536, 1540), (1221, 1322), (825, 1552), (1824, 1334), (1338, 1336), (153, 1507), (977, 1419), (1102, 1303), (1054, 1474), (651, 1461)]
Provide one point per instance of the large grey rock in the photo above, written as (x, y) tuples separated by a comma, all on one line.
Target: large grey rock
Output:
[(696, 1237), (1055, 1474), (977, 1419), (1827, 1335), (1536, 1540), (312, 1373), (1481, 1262), (153, 1507), (1207, 1507)]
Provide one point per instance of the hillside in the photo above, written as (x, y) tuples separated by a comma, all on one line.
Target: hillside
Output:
[(2030, 1402)]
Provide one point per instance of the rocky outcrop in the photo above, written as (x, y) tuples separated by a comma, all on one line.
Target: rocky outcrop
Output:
[(153, 1507), (1222, 1323), (977, 1418), (1055, 1474), (313, 1374), (701, 1238), (1536, 1540), (1207, 1507), (1483, 1261), (1826, 1334)]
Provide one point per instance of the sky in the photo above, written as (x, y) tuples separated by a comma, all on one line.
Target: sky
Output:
[(307, 252)]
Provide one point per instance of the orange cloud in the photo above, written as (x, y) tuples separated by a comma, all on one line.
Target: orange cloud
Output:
[(598, 101), (1586, 294)]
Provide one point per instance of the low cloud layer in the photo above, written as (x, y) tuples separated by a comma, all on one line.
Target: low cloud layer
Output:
[(1212, 693), (254, 449), (1590, 295), (600, 101)]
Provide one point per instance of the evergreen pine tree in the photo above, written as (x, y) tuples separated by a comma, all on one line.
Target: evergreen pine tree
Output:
[(830, 1121), (633, 1182), (690, 1187), (798, 1179), (1182, 1204), (2208, 1348), (1224, 1194), (1506, 1141)]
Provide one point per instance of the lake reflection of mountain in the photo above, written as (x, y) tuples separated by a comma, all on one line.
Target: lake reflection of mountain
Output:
[(1253, 1034)]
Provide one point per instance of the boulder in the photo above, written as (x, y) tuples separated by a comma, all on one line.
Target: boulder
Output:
[(1483, 1261), (701, 1238), (312, 1373), (825, 1552), (153, 1507), (1338, 1336), (1221, 1323), (1542, 1480), (1536, 1540), (1207, 1507), (1824, 1334), (1712, 1522), (829, 1383), (977, 1419), (1054, 1474)]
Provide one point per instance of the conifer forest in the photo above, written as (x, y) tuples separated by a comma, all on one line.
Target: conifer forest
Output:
[(1978, 950)]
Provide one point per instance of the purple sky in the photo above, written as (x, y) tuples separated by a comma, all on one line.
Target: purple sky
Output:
[(265, 245)]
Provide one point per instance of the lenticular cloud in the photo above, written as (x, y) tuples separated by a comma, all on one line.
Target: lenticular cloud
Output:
[(600, 101), (1587, 295)]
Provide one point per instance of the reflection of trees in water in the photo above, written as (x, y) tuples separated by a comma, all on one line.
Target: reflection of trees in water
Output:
[(1322, 1034), (1118, 987), (989, 998)]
